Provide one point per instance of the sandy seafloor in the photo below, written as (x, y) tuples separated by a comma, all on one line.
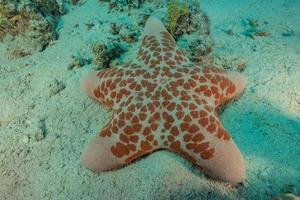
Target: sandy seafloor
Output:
[(264, 122)]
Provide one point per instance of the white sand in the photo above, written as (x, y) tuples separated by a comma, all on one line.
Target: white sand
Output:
[(264, 122)]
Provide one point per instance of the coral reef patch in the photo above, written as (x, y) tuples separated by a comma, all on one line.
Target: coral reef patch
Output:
[(187, 23), (28, 26)]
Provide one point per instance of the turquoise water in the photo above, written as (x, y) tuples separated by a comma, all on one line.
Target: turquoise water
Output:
[(46, 120)]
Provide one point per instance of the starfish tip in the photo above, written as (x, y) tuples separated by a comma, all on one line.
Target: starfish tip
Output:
[(153, 26), (97, 156), (239, 80), (89, 83), (229, 167)]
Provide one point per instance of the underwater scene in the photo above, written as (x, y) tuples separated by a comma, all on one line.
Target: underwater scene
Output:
[(149, 100)]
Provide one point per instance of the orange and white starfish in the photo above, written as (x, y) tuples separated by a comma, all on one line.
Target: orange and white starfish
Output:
[(164, 101)]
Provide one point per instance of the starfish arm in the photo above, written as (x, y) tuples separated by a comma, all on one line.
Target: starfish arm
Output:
[(122, 137), (192, 129), (97, 85), (111, 86), (220, 85), (136, 129), (112, 147), (158, 47), (97, 155), (239, 81), (204, 141)]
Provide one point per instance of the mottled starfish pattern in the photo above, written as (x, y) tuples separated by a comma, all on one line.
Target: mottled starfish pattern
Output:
[(164, 101)]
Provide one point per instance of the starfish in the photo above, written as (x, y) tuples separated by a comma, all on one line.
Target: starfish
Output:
[(164, 101)]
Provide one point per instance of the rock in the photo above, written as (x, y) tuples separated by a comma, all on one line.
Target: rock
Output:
[(115, 29), (78, 61), (38, 135), (184, 20), (255, 28), (288, 32), (193, 26), (28, 26), (103, 54), (229, 62), (25, 139), (199, 48), (287, 196), (55, 87)]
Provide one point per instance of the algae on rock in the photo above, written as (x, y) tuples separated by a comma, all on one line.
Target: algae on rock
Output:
[(186, 22), (176, 11), (28, 26), (103, 54)]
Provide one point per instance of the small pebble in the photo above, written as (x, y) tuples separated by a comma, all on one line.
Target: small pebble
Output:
[(288, 32), (39, 135), (25, 139), (55, 87)]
